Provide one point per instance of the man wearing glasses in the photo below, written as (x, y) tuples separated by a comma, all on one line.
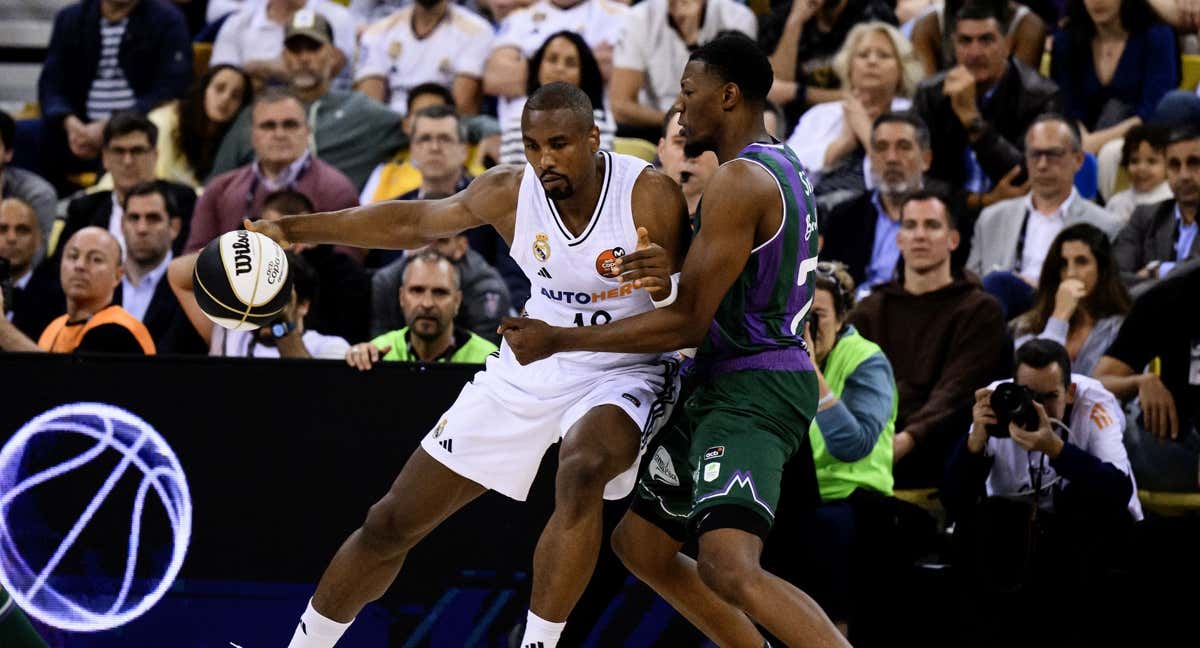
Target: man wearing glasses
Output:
[(282, 160), (128, 154), (1012, 237)]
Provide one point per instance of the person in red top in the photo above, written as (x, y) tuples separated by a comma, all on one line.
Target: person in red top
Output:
[(91, 271), (282, 160)]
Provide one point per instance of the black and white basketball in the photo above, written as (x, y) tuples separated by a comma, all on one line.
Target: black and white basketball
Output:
[(242, 280)]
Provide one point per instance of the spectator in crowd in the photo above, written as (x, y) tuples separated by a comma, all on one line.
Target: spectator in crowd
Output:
[(773, 121), (287, 337), (861, 232), (191, 130), (1114, 62), (344, 286), (280, 137), (982, 108), (105, 56), (26, 186), (1153, 360), (877, 70), (1080, 300), (496, 10), (252, 37), (649, 58), (348, 130), (803, 37), (1143, 155), (91, 271), (485, 295), (1160, 236), (851, 440), (943, 336), (430, 41), (36, 297), (564, 57), (399, 176), (1012, 237), (129, 157), (430, 297), (151, 224), (506, 75), (1024, 34), (1078, 478), (690, 172), (370, 11)]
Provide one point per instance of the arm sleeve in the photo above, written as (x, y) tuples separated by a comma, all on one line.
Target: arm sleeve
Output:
[(815, 131), (471, 60), (1127, 248), (975, 258), (1161, 74), (52, 97), (372, 56), (226, 49), (629, 53), (852, 426), (996, 155), (744, 21), (975, 357), (174, 68), (965, 481), (1092, 480), (1056, 330), (110, 338)]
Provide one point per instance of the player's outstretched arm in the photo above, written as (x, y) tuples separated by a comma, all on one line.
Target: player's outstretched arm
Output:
[(736, 199), (406, 224)]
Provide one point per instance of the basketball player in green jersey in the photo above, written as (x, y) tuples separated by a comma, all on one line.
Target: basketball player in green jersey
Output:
[(745, 289)]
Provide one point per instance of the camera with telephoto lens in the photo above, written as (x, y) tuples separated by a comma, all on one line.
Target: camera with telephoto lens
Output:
[(1012, 403)]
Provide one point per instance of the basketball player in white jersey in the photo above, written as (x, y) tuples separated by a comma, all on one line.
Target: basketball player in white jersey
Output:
[(566, 216)]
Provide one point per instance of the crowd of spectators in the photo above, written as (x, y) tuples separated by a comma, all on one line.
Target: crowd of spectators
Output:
[(1007, 192)]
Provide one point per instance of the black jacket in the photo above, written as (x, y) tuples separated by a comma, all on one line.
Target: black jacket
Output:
[(39, 302), (96, 209), (1019, 98), (155, 55), (166, 321)]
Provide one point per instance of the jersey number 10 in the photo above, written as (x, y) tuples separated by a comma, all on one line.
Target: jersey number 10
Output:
[(599, 317)]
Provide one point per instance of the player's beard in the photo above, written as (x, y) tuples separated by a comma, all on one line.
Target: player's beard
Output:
[(696, 148)]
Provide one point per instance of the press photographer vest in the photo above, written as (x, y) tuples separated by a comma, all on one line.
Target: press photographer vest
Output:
[(838, 479)]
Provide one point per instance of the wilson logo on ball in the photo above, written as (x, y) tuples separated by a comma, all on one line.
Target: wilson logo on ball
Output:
[(241, 253)]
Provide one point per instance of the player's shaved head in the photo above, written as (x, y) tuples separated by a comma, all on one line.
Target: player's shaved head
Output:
[(559, 96)]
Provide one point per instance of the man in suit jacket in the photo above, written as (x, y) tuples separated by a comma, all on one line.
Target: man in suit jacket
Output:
[(1012, 237), (128, 154), (1159, 236), (150, 227), (862, 231), (981, 109), (37, 297)]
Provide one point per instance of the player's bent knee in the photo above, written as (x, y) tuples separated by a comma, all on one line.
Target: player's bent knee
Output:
[(732, 581), (581, 474), (388, 530)]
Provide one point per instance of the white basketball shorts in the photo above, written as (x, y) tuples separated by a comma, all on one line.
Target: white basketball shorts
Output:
[(505, 419)]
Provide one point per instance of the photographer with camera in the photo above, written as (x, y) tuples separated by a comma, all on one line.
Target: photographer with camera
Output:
[(1040, 488)]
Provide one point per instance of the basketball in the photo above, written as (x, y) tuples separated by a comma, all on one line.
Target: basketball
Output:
[(242, 280)]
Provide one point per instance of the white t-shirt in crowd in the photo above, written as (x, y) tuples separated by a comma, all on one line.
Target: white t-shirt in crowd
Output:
[(818, 128), (597, 21), (1097, 424), (459, 45), (245, 344), (651, 46), (248, 35)]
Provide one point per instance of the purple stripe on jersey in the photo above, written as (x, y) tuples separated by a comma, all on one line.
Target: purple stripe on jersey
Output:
[(787, 359), (757, 328)]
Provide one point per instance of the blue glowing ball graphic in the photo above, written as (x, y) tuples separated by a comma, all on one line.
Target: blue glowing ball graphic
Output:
[(95, 517)]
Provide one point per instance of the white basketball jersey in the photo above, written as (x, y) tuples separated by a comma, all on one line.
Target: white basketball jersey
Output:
[(571, 277)]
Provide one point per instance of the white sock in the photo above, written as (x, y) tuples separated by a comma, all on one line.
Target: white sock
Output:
[(540, 633), (317, 631)]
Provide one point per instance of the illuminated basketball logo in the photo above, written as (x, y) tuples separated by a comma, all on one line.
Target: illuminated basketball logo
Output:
[(70, 479), (541, 248), (606, 262)]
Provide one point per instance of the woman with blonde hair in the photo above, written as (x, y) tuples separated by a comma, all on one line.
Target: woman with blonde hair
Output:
[(880, 73)]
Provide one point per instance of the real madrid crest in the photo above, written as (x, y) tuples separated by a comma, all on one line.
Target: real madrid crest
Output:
[(394, 49), (541, 248), (444, 66)]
